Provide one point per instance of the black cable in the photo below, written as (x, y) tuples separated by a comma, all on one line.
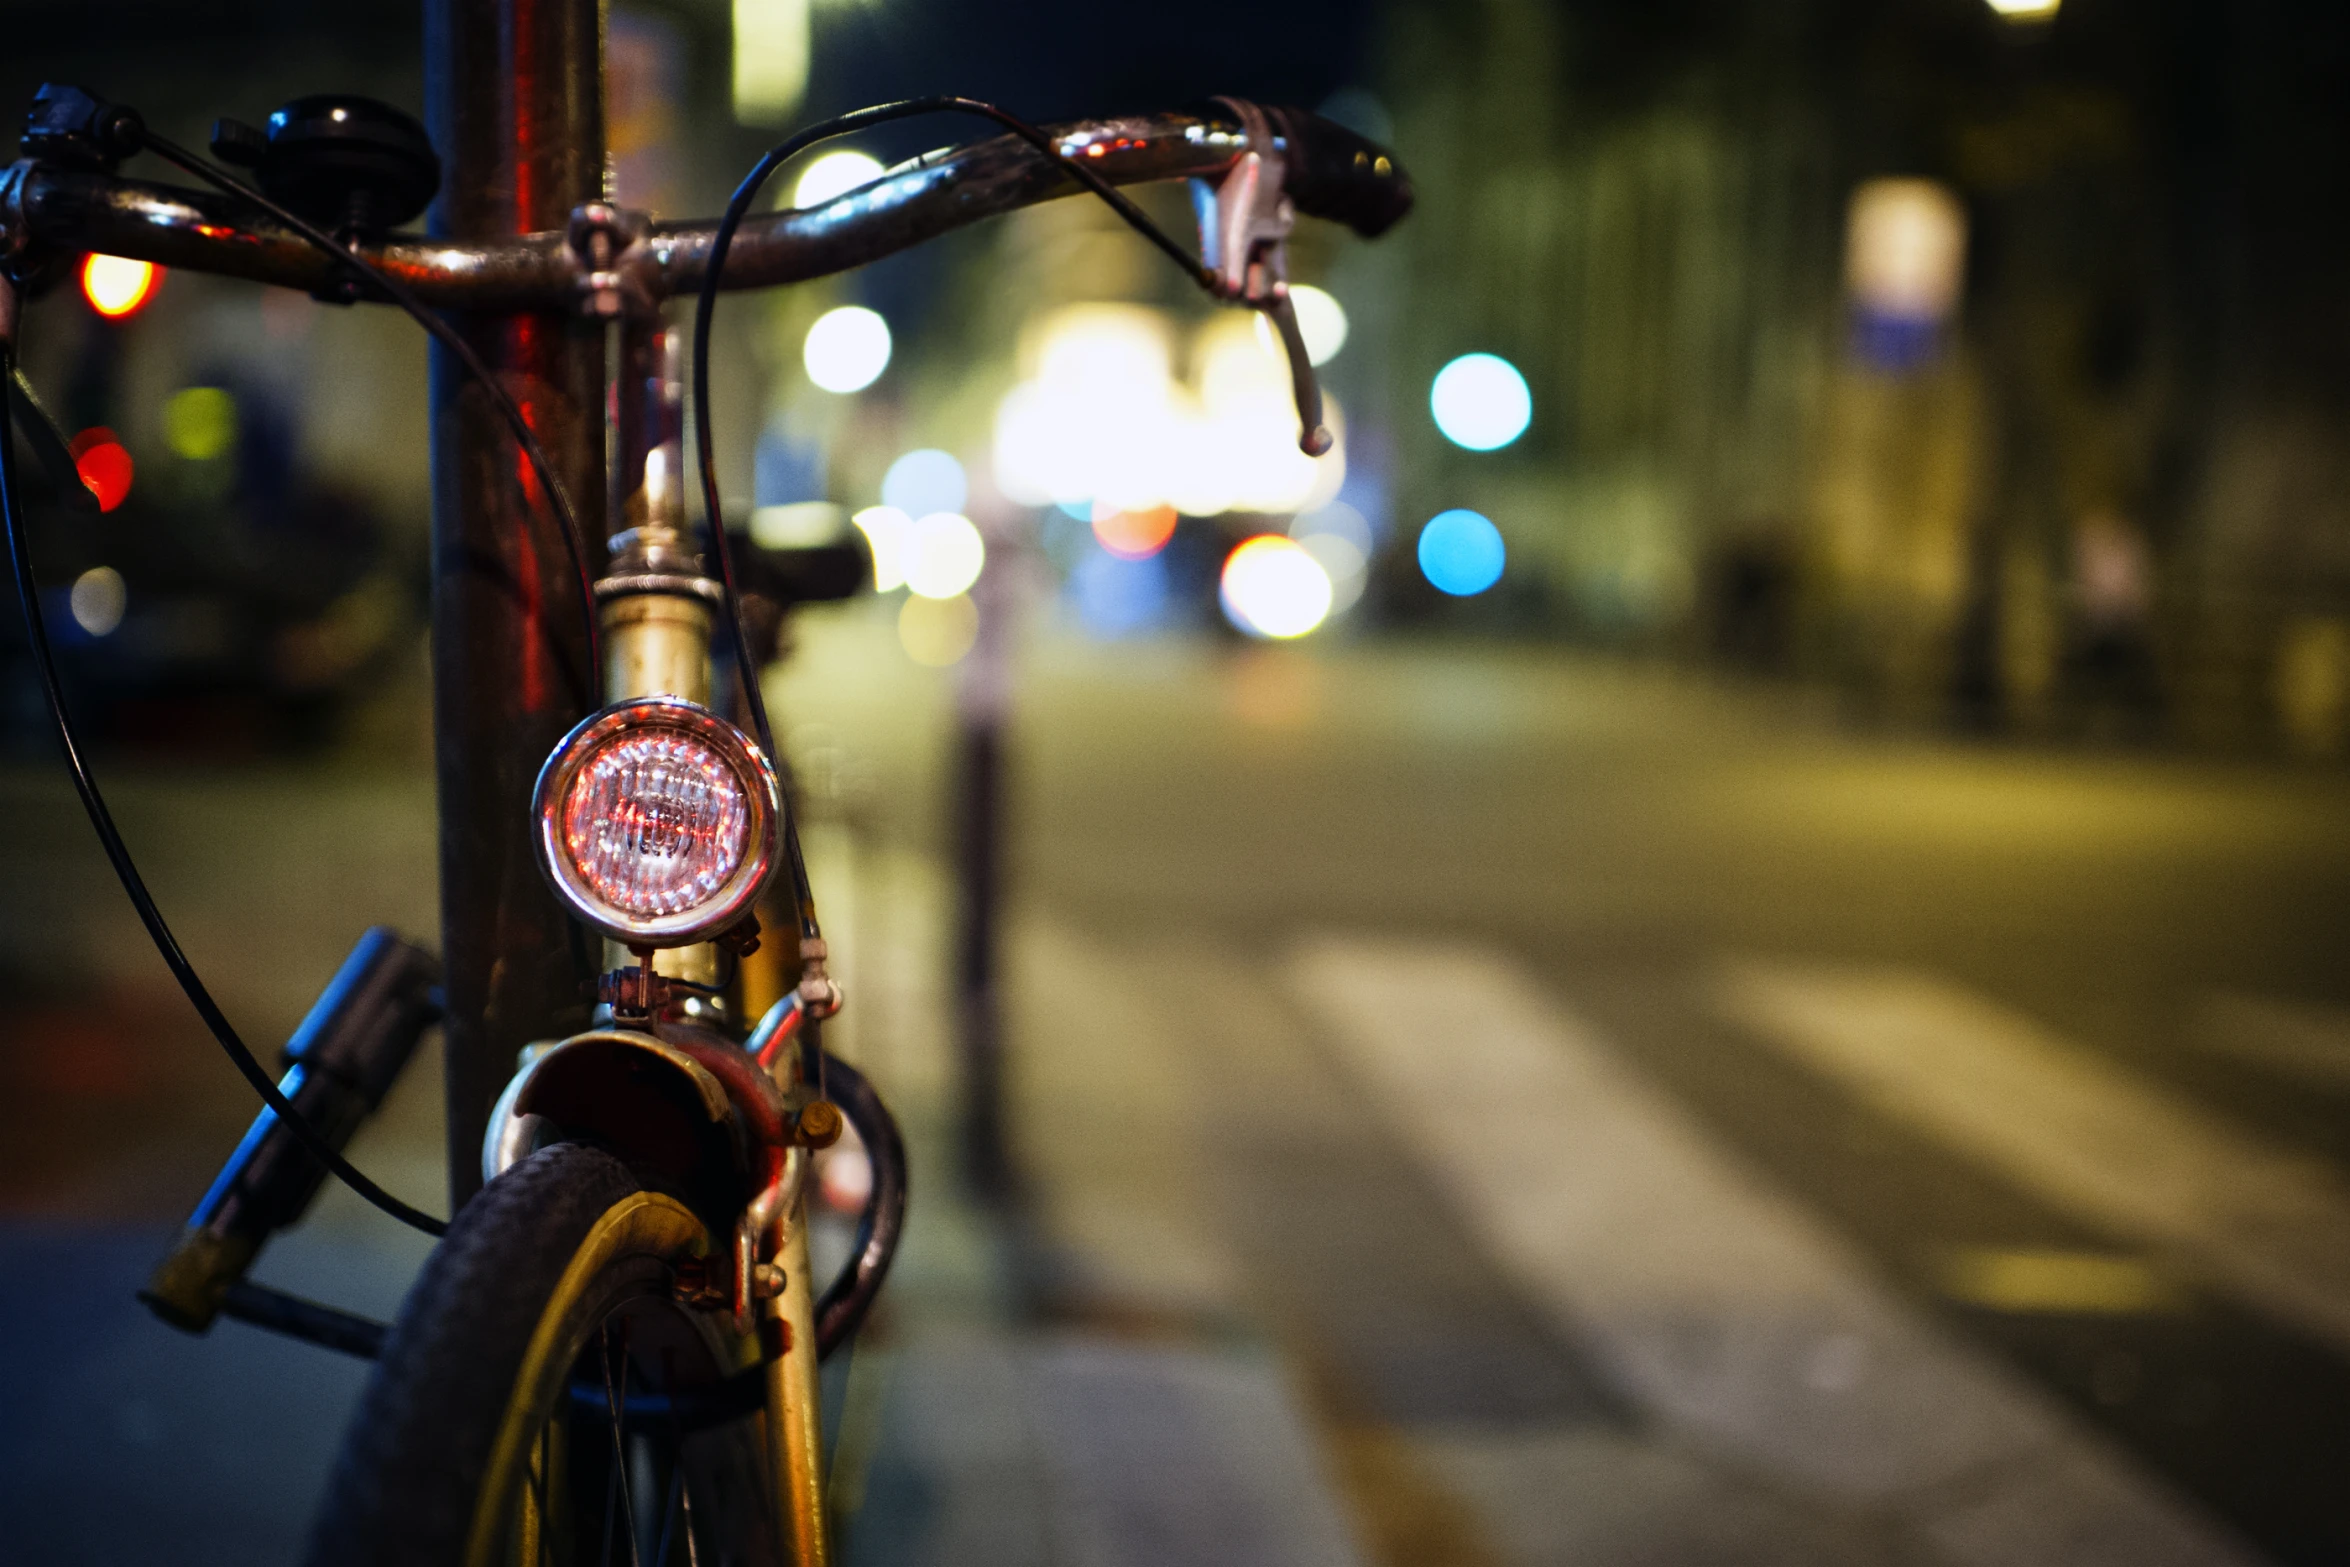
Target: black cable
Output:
[(28, 595), (706, 305), (574, 534)]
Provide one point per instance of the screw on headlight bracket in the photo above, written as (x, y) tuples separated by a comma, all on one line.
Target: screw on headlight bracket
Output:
[(742, 940), (1244, 226), (636, 994)]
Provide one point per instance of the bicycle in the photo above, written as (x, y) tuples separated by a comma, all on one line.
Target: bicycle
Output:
[(617, 1339)]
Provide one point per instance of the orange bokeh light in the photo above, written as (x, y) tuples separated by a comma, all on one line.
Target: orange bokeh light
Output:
[(1134, 535), (103, 463), (117, 287)]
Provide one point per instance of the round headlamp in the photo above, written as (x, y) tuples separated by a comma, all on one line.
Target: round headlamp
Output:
[(656, 822)]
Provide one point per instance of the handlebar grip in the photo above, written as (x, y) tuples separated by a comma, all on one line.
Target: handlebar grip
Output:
[(1335, 174)]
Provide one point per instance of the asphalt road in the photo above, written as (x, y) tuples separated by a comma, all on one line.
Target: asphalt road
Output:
[(1612, 1115)]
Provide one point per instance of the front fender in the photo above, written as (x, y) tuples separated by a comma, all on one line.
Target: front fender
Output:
[(689, 1106)]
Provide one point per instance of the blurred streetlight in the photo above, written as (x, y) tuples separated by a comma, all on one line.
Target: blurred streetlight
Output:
[(1905, 263), (834, 174), (770, 59), (116, 287), (942, 556), (2026, 10), (847, 349), (1461, 552), (1480, 401), (1274, 587)]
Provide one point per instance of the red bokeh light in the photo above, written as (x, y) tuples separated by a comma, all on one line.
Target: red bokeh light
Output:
[(105, 466), (117, 287)]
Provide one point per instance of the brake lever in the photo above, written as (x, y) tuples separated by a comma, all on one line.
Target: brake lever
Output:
[(1244, 226), (50, 447)]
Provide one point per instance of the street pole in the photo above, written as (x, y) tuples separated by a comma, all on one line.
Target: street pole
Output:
[(983, 701), (515, 102)]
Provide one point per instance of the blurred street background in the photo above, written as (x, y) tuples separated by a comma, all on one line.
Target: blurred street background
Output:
[(1718, 941)]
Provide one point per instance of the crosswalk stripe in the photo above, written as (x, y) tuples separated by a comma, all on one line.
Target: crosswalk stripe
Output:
[(1718, 1304), (2081, 1134)]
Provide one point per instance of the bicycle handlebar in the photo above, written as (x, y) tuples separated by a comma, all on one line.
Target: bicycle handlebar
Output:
[(1331, 173)]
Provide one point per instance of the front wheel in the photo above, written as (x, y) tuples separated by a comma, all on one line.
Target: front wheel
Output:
[(525, 1409)]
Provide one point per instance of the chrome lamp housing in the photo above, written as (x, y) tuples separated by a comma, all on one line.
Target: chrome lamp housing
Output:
[(655, 821)]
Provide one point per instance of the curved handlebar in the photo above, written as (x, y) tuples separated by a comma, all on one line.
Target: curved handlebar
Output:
[(1332, 173)]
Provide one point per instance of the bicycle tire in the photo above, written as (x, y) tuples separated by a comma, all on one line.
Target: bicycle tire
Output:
[(481, 1438)]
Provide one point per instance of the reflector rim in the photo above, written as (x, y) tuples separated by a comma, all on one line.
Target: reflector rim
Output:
[(762, 796)]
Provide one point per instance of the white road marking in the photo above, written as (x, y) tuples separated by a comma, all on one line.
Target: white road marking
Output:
[(2101, 1143), (1719, 1305)]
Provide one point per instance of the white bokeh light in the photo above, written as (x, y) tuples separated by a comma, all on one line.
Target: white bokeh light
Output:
[(98, 600), (847, 349), (943, 555), (1481, 402), (885, 529), (1321, 321), (834, 174), (1104, 420), (1274, 587)]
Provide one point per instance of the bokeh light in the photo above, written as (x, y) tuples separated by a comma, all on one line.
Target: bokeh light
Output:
[(925, 481), (98, 600), (943, 555), (199, 422), (1338, 518), (1119, 597), (1102, 420), (1481, 402), (1321, 321), (937, 632), (847, 349), (105, 467), (1347, 567), (1136, 534), (1273, 588), (1461, 552), (834, 174), (2026, 10), (885, 529), (116, 286)]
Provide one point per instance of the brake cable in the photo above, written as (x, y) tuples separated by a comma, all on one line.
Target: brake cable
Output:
[(28, 594), (574, 532), (705, 307), (36, 631)]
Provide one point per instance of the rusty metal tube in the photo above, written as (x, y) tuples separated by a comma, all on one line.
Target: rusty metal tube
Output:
[(515, 104)]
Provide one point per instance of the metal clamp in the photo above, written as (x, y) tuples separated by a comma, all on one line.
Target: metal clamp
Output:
[(619, 274), (1244, 226)]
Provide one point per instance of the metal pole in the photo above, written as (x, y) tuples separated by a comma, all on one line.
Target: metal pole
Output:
[(515, 100), (983, 700)]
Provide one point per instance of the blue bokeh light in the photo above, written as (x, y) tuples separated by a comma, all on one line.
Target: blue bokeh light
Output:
[(1461, 552), (1120, 598), (923, 482)]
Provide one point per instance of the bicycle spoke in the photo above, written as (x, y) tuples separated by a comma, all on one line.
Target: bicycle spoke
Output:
[(669, 1508), (612, 1402)]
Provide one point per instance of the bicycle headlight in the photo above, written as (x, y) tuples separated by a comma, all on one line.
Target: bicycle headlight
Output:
[(656, 821)]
